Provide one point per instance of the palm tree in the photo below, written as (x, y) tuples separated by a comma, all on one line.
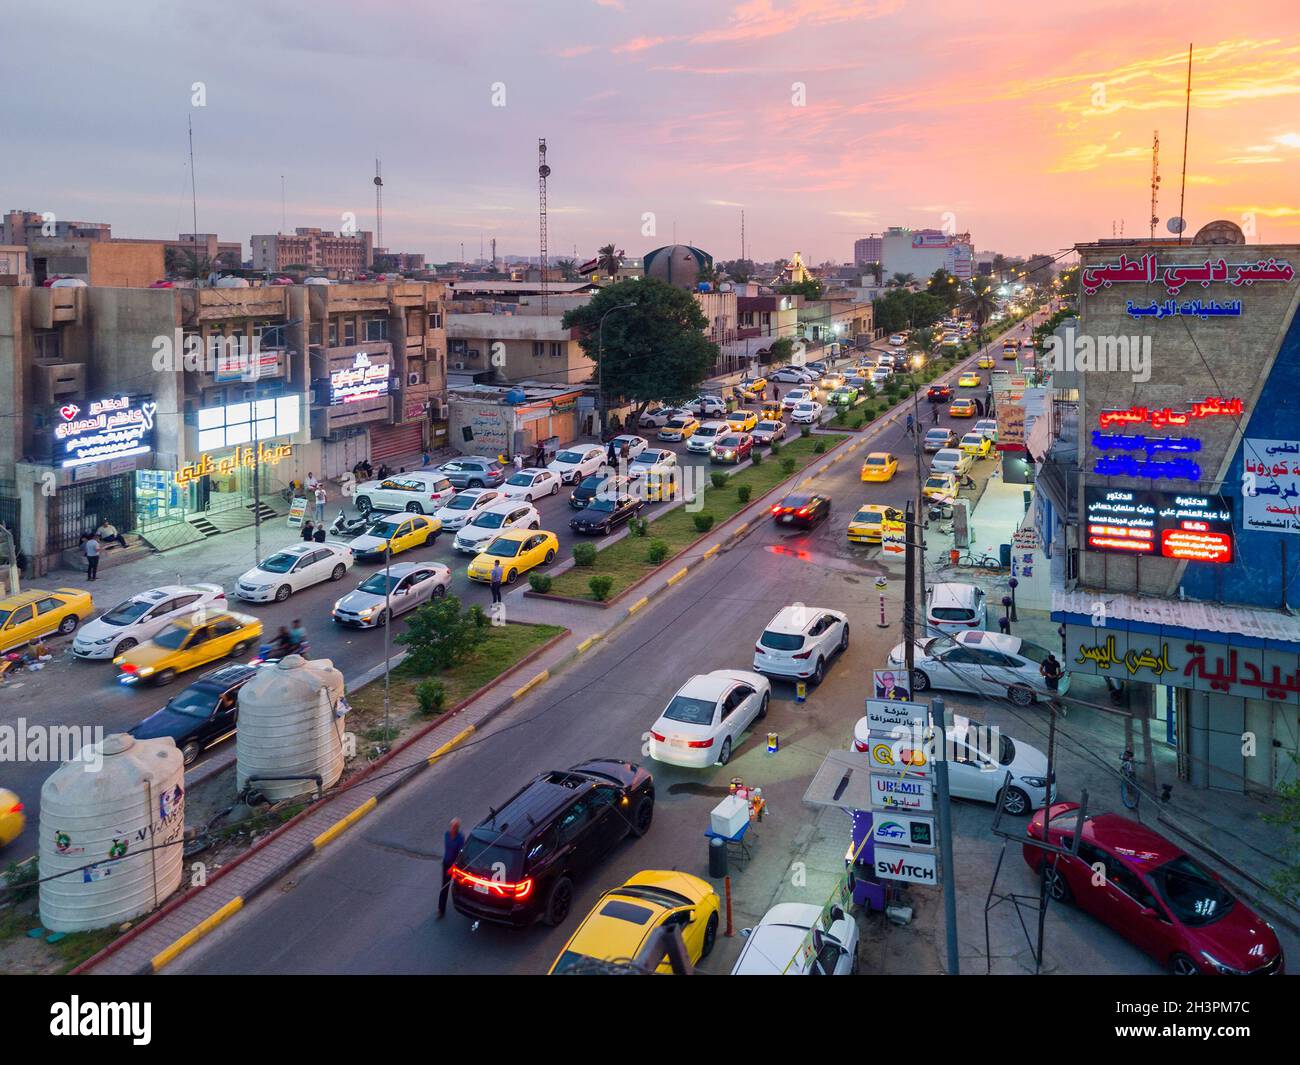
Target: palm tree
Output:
[(923, 342), (980, 303), (568, 268), (608, 260), (901, 280), (187, 263)]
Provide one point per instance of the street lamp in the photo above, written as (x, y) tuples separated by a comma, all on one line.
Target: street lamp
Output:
[(600, 364), (257, 447)]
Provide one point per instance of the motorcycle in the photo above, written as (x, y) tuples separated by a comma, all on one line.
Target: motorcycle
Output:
[(273, 652), (345, 526)]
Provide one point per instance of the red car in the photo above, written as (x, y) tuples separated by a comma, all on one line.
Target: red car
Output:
[(939, 394), (1155, 895)]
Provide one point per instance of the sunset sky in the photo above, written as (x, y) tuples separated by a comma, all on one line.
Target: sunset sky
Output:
[(1029, 123)]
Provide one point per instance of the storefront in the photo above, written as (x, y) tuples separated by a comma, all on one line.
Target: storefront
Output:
[(483, 422)]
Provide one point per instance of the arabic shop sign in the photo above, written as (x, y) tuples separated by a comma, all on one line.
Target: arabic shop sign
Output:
[(1201, 665), (362, 380), (1147, 270), (1162, 458), (109, 429), (1194, 528), (1011, 427), (1202, 309), (262, 455), (1270, 494)]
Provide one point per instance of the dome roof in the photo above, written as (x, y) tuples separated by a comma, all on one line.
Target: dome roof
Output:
[(678, 264)]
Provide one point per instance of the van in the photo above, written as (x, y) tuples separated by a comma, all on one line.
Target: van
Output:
[(954, 608)]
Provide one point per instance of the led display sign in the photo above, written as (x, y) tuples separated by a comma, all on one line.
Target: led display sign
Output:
[(362, 380), (1195, 528), (108, 429), (229, 426)]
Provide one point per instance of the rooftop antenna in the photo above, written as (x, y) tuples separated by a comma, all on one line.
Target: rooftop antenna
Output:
[(1155, 181), (1187, 118), (543, 172), (194, 195), (379, 205), (742, 234), (494, 253), (284, 223)]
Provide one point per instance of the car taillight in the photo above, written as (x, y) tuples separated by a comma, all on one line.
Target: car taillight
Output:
[(859, 746), (500, 888), (701, 744), (658, 738), (804, 654), (777, 509), (760, 649), (803, 512), (127, 667), (16, 808), (972, 624)]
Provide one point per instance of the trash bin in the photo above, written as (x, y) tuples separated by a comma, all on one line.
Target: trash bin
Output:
[(1004, 553), (717, 858), (954, 556)]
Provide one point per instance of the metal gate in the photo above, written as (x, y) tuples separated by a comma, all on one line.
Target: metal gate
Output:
[(82, 508)]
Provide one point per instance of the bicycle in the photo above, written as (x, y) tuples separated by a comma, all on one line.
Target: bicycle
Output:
[(1128, 788), (970, 560)]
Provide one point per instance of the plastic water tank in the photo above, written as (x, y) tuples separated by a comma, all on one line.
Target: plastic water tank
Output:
[(288, 727), (516, 396), (107, 820)]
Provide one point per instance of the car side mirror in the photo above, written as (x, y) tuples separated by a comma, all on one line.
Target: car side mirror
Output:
[(746, 932), (1147, 911)]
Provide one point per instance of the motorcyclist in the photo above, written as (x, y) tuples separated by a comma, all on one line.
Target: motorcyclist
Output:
[(282, 643), (297, 638)]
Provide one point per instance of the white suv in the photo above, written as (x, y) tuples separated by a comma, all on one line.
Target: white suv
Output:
[(706, 436), (799, 641), (466, 507), (421, 492), (493, 520), (574, 463), (142, 616)]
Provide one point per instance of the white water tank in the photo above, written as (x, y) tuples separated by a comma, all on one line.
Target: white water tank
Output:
[(100, 817), (291, 725)]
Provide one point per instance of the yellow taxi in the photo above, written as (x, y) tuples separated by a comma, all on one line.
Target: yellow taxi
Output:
[(1009, 350), (396, 533), (872, 521), (755, 388), (623, 920), (741, 421), (986, 362), (962, 408), (518, 551), (970, 379), (940, 486), (12, 818), (33, 614), (682, 427), (771, 411), (658, 483), (976, 444), (187, 643), (879, 466)]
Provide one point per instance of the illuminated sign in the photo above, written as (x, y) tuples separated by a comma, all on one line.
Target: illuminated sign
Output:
[(264, 455), (1202, 309), (1147, 270), (362, 380), (1192, 527), (1270, 489), (1011, 427), (239, 423), (1209, 407), (110, 429)]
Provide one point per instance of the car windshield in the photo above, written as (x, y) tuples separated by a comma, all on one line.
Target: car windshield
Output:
[(194, 703), (489, 519), (4, 616), (602, 504), (729, 441), (937, 482), (951, 613), (769, 427), (1194, 896), (383, 528), (707, 430), (172, 637), (569, 456), (281, 562), (378, 584), (690, 711), (869, 516), (677, 423), (1033, 652), (503, 548), (521, 478), (125, 613), (804, 406), (877, 460), (941, 434), (463, 502), (781, 641)]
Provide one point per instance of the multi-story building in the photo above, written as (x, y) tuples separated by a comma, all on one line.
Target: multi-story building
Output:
[(14, 268), (867, 250), (1171, 512), (920, 252), (516, 347), (402, 262), (341, 255), (222, 254), (25, 227)]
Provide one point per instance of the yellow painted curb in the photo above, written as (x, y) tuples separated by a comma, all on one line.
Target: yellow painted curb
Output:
[(679, 575), (455, 741), (741, 529), (588, 642), (170, 953), (712, 550), (638, 604), (532, 683), (343, 824)]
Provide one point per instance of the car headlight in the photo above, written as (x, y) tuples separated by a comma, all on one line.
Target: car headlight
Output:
[(106, 639), (1218, 966), (145, 671), (1035, 782), (366, 613), (338, 603)]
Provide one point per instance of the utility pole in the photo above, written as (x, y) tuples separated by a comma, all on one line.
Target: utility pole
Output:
[(938, 715), (909, 590)]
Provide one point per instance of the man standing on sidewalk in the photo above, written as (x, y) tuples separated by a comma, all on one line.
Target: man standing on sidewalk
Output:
[(320, 504), (1051, 671), (452, 843), (91, 548), (496, 581)]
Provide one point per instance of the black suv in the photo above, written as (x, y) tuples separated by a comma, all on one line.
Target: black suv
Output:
[(518, 866), (202, 715)]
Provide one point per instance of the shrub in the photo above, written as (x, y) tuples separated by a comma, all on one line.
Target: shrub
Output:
[(743, 492), (820, 447), (431, 695), (658, 551), (600, 586), (440, 634), (718, 479), (787, 466), (640, 526), (858, 421), (775, 447), (703, 522), (584, 554), (756, 457), (805, 430), (540, 582)]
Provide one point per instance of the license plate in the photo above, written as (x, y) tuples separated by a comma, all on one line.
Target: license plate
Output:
[(482, 889), (677, 743), (788, 518)]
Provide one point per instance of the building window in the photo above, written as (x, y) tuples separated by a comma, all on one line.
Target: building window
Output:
[(539, 349), (314, 334), (376, 329), (334, 333), (557, 349), (48, 344), (349, 332), (435, 319)]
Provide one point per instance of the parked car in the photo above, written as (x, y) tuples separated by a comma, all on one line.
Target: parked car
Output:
[(139, 618), (872, 521), (531, 485), (35, 614), (734, 447), (518, 551), (421, 492), (767, 431), (496, 518), (300, 566), (624, 919), (466, 507), (773, 946), (606, 513), (984, 663), (1154, 894), (393, 534), (988, 427), (802, 509), (187, 643), (403, 587), (800, 641), (951, 460), (471, 472), (938, 438), (519, 864), (940, 486), (681, 427), (706, 718), (706, 436), (806, 413), (976, 445), (202, 715), (954, 607), (573, 464), (598, 484)]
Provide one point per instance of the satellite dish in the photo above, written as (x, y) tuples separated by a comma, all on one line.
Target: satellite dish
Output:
[(1176, 224)]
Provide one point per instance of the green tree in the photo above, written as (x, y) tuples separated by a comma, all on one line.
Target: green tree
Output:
[(739, 270), (780, 351), (923, 342), (810, 289), (187, 264), (901, 280), (944, 286), (441, 634), (654, 350), (877, 270), (568, 268), (981, 304), (892, 312), (608, 260), (1287, 880)]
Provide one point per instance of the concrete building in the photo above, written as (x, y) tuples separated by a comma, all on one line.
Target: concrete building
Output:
[(868, 250), (920, 252), (25, 227), (340, 254), (516, 347), (486, 420), (98, 262), (14, 268)]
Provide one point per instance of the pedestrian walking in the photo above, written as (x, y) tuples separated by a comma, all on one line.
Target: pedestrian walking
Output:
[(307, 529), (452, 844), (496, 581), (911, 426), (612, 456), (320, 503), (776, 393), (519, 462), (934, 414), (1051, 671), (91, 549)]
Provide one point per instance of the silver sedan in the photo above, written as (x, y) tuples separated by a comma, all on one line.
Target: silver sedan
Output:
[(405, 586)]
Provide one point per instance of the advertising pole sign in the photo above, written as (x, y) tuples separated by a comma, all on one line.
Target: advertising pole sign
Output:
[(912, 867), (362, 380), (108, 429)]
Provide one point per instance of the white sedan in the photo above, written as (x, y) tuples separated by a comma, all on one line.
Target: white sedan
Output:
[(773, 946), (407, 585), (705, 719), (897, 340), (658, 417), (794, 375), (466, 507), (293, 569), (984, 663), (635, 445), (796, 396), (649, 459), (951, 460), (531, 484), (806, 413), (573, 464), (141, 617)]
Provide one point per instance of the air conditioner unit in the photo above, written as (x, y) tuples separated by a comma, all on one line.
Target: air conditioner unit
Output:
[(438, 410), (458, 366), (412, 378)]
